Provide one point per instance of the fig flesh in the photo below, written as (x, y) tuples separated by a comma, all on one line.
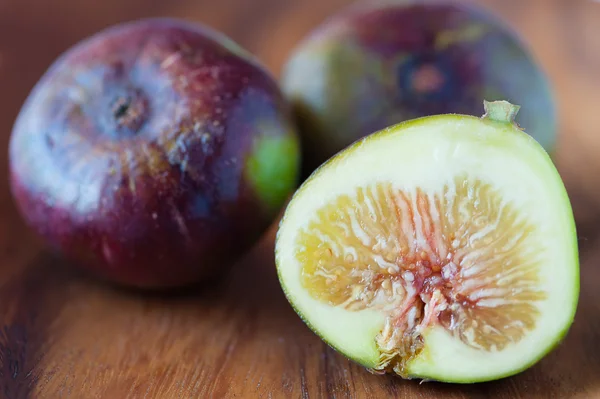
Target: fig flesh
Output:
[(442, 248)]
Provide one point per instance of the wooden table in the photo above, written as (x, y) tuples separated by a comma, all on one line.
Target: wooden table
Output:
[(64, 335)]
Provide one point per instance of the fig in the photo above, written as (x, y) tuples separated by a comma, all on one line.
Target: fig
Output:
[(378, 63), (153, 153), (441, 248)]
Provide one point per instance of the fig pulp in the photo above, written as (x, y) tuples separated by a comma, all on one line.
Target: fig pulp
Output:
[(379, 63), (425, 250), (153, 153)]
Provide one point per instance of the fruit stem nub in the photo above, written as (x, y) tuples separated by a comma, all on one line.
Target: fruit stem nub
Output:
[(500, 111)]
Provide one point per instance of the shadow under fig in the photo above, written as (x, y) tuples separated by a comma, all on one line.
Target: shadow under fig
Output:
[(29, 302)]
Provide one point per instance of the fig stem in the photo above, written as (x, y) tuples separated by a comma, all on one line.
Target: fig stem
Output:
[(500, 111)]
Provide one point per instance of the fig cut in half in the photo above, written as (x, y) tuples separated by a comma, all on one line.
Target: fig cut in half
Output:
[(442, 248)]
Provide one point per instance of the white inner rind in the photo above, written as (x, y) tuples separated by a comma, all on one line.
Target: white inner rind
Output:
[(430, 154)]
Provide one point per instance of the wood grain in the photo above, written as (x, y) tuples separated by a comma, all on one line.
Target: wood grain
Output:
[(64, 335)]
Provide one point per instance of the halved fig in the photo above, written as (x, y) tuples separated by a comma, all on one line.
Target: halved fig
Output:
[(442, 248)]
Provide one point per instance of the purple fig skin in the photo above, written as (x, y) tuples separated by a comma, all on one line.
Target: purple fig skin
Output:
[(145, 153), (377, 63)]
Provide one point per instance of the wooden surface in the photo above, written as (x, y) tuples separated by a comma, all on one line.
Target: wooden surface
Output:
[(64, 335)]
